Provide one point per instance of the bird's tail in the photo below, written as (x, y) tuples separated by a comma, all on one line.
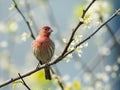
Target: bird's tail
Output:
[(47, 73)]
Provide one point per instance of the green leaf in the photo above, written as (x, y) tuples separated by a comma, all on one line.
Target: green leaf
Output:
[(14, 84), (16, 4), (79, 10)]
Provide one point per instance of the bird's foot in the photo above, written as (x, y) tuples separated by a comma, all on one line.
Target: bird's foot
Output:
[(38, 66), (47, 64)]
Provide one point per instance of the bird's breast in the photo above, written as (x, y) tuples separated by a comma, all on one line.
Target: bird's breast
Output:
[(43, 49)]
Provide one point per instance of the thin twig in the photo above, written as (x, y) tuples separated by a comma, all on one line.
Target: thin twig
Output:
[(28, 10), (85, 11), (60, 57), (26, 21), (58, 80), (112, 35), (24, 82)]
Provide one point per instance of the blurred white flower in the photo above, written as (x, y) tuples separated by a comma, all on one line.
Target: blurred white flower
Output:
[(98, 84), (24, 36), (115, 68), (68, 57), (108, 68), (22, 3), (12, 26), (73, 43), (66, 77), (102, 76), (64, 40), (2, 27), (12, 6), (105, 51), (85, 44), (3, 44), (79, 51), (118, 60), (78, 38), (71, 48)]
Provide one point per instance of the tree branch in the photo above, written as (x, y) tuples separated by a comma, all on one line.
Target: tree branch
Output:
[(28, 10), (26, 21), (24, 82)]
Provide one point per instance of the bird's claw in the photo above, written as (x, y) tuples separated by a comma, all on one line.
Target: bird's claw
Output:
[(38, 66)]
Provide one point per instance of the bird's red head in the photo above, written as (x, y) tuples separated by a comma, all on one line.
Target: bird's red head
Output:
[(45, 31)]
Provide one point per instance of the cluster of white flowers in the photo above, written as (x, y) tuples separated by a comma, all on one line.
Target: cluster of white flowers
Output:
[(77, 40), (112, 70), (100, 8), (96, 11), (102, 76)]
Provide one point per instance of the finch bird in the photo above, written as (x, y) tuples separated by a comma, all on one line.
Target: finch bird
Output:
[(43, 48)]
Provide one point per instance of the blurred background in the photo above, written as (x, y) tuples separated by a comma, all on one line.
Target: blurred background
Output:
[(93, 66)]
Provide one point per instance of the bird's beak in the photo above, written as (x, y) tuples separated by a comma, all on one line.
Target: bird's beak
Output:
[(50, 30)]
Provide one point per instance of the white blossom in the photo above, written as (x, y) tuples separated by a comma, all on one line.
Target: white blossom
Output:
[(115, 67), (118, 60), (68, 57), (108, 68), (12, 26), (105, 51), (66, 77), (24, 36), (102, 76), (12, 6), (64, 40), (98, 84), (3, 44)]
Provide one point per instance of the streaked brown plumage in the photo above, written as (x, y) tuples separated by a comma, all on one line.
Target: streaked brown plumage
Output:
[(43, 48)]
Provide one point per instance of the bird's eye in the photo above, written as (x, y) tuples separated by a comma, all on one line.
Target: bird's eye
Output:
[(46, 30)]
